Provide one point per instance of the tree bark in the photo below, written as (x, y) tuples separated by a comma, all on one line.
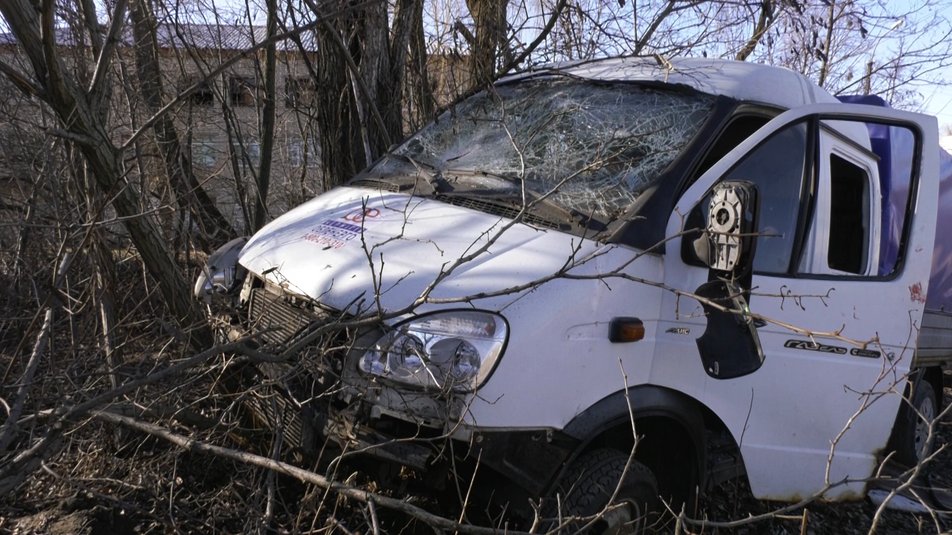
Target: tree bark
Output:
[(190, 195), (489, 17)]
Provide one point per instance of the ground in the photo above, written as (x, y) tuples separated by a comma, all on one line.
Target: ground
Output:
[(108, 480)]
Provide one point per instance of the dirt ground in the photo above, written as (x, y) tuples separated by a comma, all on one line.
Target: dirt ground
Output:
[(107, 481)]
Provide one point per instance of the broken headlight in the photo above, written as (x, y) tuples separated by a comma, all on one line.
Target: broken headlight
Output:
[(222, 274), (453, 350)]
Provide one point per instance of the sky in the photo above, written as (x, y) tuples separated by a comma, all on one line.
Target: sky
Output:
[(937, 93), (937, 100)]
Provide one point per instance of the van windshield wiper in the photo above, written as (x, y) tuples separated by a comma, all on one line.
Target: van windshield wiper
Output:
[(430, 173)]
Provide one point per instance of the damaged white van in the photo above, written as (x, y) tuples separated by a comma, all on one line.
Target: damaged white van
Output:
[(612, 273)]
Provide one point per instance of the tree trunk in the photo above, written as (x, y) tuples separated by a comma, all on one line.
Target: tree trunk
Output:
[(417, 81), (267, 120), (190, 195), (826, 54), (760, 29), (489, 16), (380, 79), (357, 118), (409, 84), (336, 119)]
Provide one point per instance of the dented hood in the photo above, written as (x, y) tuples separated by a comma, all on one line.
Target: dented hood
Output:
[(349, 245)]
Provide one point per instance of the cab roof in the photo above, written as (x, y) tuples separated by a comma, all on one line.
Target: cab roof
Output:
[(751, 82)]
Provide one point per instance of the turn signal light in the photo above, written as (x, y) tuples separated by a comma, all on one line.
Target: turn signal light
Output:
[(625, 330)]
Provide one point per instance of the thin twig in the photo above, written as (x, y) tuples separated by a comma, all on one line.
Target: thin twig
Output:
[(307, 476)]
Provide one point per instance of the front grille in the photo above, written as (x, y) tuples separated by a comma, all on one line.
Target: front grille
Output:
[(288, 391), (319, 338), (276, 320), (275, 412)]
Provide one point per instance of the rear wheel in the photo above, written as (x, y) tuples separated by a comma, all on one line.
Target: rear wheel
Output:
[(587, 488), (912, 430)]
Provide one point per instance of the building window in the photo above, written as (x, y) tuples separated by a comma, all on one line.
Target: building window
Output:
[(253, 150), (300, 92), (243, 91), (248, 153), (203, 95)]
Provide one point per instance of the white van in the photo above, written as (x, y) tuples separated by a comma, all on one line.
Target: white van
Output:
[(713, 267)]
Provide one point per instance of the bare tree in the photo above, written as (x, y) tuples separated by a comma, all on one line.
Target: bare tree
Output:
[(490, 40), (78, 107), (852, 47)]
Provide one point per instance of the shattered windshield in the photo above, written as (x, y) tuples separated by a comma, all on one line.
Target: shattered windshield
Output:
[(590, 147)]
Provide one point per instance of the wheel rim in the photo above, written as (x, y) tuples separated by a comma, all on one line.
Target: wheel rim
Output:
[(620, 520), (927, 414)]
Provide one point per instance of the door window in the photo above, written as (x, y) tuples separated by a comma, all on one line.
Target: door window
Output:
[(848, 249), (776, 167), (863, 175)]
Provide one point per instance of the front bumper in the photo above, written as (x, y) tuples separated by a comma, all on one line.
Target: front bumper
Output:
[(529, 459), (321, 403)]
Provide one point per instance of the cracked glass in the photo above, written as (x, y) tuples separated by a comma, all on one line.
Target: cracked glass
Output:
[(592, 148)]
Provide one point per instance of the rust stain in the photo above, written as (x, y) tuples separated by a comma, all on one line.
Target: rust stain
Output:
[(915, 293)]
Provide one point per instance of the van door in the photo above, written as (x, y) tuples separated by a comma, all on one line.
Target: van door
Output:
[(803, 351)]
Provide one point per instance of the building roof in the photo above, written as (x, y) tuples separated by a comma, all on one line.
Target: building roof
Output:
[(225, 37)]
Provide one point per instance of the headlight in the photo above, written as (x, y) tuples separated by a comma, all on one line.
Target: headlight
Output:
[(453, 350), (221, 274)]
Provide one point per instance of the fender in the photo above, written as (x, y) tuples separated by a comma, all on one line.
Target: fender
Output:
[(645, 401)]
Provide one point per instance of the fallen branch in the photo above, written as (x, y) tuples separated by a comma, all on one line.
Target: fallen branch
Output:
[(15, 470), (306, 476)]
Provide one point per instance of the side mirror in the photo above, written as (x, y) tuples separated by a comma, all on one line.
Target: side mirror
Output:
[(727, 241), (730, 345)]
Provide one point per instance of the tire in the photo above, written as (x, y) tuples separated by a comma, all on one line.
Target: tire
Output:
[(912, 431), (587, 486)]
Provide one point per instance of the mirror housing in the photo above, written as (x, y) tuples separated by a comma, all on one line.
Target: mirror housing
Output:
[(727, 242)]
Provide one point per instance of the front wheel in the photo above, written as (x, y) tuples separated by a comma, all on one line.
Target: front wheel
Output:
[(587, 487)]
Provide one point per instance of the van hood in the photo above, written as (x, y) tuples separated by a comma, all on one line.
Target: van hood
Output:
[(351, 246)]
